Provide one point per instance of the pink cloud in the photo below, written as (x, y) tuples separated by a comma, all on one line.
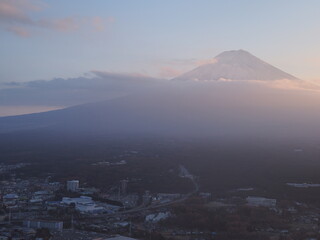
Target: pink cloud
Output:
[(169, 72), (20, 31), (67, 24), (175, 67), (205, 61), (15, 17), (16, 11), (98, 24)]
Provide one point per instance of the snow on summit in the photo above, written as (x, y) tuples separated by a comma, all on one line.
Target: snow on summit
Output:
[(236, 65)]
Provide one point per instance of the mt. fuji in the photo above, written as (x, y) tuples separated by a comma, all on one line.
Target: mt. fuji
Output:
[(236, 65), (258, 101)]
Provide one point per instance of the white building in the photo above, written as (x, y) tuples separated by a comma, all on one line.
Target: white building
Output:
[(73, 185), (52, 225), (261, 202), (83, 204)]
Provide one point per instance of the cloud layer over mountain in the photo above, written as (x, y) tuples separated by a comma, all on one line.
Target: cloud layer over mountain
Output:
[(67, 92)]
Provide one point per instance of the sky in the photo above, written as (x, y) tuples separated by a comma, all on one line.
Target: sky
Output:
[(43, 40)]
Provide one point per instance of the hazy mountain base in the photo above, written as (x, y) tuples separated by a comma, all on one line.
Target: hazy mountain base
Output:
[(218, 110)]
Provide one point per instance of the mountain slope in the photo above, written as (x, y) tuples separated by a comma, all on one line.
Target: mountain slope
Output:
[(236, 65), (217, 110)]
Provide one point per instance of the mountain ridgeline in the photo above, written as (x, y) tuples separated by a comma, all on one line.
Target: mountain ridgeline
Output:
[(230, 110)]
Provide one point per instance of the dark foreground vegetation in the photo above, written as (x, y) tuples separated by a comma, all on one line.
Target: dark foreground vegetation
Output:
[(152, 163)]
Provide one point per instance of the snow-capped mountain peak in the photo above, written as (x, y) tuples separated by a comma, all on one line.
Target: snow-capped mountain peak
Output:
[(236, 65)]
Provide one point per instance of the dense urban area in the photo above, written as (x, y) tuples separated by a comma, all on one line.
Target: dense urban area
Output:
[(52, 205)]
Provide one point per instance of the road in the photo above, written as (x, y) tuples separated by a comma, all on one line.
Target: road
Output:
[(184, 173)]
